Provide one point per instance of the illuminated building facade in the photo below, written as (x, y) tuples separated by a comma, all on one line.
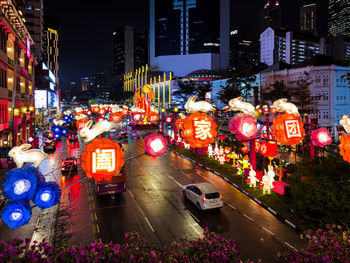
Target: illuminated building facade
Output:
[(270, 16), (308, 19), (187, 35), (16, 77), (339, 18)]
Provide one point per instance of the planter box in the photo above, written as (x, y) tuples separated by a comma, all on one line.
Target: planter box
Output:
[(280, 187)]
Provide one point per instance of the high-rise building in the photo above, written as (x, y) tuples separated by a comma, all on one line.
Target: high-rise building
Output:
[(187, 35), (270, 16), (33, 13), (339, 18), (16, 78), (129, 53), (308, 19)]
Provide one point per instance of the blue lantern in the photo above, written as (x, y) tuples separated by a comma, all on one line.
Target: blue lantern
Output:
[(56, 129), (69, 120), (47, 195), (16, 214), (64, 131), (65, 117), (57, 136), (20, 184)]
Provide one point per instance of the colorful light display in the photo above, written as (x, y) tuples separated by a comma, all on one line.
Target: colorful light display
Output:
[(16, 214), (199, 130), (243, 126), (116, 117), (321, 137), (102, 159), (48, 194), (155, 144), (344, 147)]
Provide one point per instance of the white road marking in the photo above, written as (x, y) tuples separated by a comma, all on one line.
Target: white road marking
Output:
[(195, 218), (234, 208), (149, 224), (289, 245), (195, 230), (131, 194), (172, 178), (268, 230), (251, 219)]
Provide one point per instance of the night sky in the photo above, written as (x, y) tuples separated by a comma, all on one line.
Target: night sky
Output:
[(86, 28)]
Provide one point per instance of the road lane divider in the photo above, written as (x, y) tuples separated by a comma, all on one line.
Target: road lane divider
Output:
[(149, 224), (193, 216), (290, 246), (233, 207), (251, 219), (268, 231), (172, 178)]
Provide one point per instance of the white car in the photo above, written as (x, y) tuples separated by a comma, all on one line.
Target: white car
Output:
[(203, 195)]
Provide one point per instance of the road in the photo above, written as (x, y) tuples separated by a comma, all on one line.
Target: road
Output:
[(153, 206)]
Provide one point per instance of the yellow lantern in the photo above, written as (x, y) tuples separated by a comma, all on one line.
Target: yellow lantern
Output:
[(31, 108), (16, 111), (24, 109), (163, 109), (176, 109)]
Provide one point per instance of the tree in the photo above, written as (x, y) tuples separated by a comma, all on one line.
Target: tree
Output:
[(302, 95), (278, 90), (189, 88), (239, 85)]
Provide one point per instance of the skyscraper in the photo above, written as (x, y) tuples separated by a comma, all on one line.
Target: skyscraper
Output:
[(339, 18), (33, 12), (270, 16), (186, 35), (308, 19)]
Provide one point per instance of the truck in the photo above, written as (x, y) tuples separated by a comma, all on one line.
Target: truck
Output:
[(117, 184)]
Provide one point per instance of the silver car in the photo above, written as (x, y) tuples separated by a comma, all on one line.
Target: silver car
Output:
[(203, 195)]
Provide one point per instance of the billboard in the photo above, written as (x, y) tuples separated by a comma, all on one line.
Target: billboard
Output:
[(52, 101), (40, 97)]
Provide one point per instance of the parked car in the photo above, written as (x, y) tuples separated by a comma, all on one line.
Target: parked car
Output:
[(49, 146), (203, 195), (69, 164)]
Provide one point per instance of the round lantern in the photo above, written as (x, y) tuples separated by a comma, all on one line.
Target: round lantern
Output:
[(136, 116), (288, 129), (102, 159), (115, 117), (155, 144), (257, 146), (344, 147), (95, 109), (321, 137), (243, 126), (81, 123), (179, 123), (16, 214), (199, 130), (47, 195), (152, 117), (125, 111), (102, 111), (143, 103), (168, 119)]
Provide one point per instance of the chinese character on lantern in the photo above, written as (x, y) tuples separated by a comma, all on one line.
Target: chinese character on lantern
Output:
[(199, 130), (288, 129), (115, 117), (102, 159), (292, 129)]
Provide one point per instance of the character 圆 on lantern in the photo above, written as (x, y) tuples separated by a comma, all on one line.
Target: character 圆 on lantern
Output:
[(102, 159)]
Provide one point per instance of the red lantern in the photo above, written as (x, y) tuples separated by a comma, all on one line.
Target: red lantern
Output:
[(102, 111), (243, 126), (115, 117), (288, 129), (179, 123), (199, 130), (261, 185), (222, 137), (247, 181), (95, 109), (273, 109), (143, 103), (102, 159), (244, 147), (125, 111), (155, 144), (136, 116), (271, 150), (152, 117), (168, 119), (344, 147), (81, 123)]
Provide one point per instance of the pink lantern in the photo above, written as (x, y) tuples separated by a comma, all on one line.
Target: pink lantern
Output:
[(243, 126), (136, 116), (320, 137), (155, 144), (168, 119)]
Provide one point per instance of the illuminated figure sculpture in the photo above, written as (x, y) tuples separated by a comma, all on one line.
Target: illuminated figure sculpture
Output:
[(252, 177), (216, 151), (21, 156), (210, 151), (268, 180), (192, 106), (222, 158)]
